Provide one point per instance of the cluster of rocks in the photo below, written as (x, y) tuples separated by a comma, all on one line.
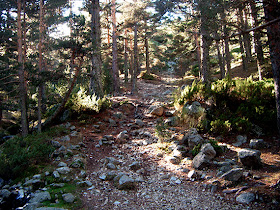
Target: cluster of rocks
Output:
[(229, 171), (35, 190)]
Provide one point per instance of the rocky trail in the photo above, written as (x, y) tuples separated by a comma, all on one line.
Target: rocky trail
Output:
[(127, 158)]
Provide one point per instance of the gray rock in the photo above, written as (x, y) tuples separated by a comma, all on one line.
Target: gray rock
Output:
[(33, 182), (170, 113), (193, 175), (208, 150), (31, 206), (118, 115), (111, 166), (57, 185), (126, 183), (5, 193), (257, 144), (62, 164), (56, 144), (108, 176), (68, 197), (139, 122), (200, 161), (112, 122), (233, 175), (65, 138), (56, 174), (172, 121), (73, 127), (173, 159), (40, 197), (122, 137), (156, 110), (135, 166), (77, 163), (250, 158), (63, 170), (194, 140), (246, 198), (111, 160), (195, 109), (240, 140)]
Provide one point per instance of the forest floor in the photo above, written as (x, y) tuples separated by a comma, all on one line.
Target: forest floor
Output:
[(162, 185)]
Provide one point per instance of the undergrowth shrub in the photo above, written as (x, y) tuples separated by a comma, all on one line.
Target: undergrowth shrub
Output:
[(237, 105), (18, 156), (146, 76), (81, 101)]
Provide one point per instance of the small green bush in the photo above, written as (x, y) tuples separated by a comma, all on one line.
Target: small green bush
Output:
[(146, 76), (19, 155), (236, 106)]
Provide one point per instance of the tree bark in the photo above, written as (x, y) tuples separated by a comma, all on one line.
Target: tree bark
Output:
[(125, 57), (115, 49), (40, 92), (21, 72), (272, 11), (226, 44), (257, 38), (241, 42), (147, 50), (96, 72), (135, 66), (198, 51), (221, 60)]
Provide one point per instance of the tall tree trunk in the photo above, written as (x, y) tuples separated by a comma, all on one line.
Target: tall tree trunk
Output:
[(272, 11), (21, 72), (241, 42), (221, 60), (40, 92), (125, 57), (115, 49), (96, 72), (147, 49), (226, 43), (135, 67), (247, 36), (198, 51), (131, 61), (257, 38)]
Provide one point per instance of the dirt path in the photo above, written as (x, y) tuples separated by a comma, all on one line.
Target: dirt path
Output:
[(160, 184)]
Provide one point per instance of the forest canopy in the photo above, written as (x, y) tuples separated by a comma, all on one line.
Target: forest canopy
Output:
[(71, 55)]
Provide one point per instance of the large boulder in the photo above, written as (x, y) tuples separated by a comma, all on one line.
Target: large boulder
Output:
[(40, 197), (246, 198), (156, 110), (204, 157), (208, 150), (257, 143), (250, 158), (233, 175), (124, 182), (195, 109), (194, 140), (200, 161), (68, 197)]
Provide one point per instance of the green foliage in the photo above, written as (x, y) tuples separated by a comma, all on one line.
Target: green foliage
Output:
[(190, 93), (80, 102), (22, 154), (196, 150), (217, 148), (162, 130), (236, 104), (219, 126), (213, 143), (145, 75)]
